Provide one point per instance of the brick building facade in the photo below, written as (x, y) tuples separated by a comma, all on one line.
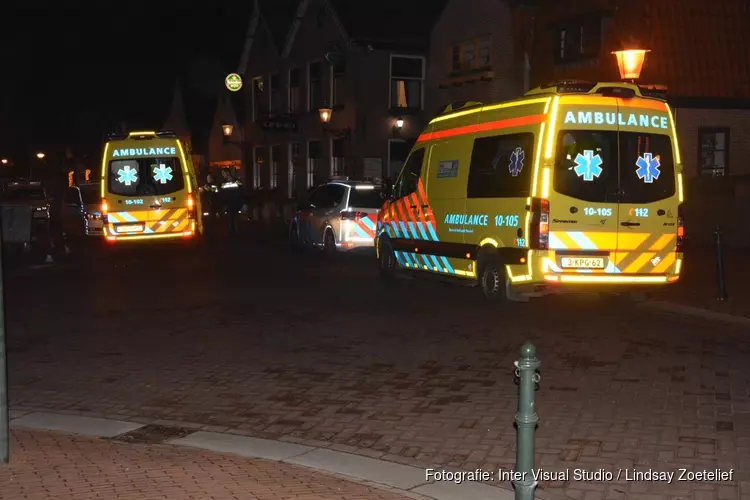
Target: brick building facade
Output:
[(479, 51), (699, 52), (332, 56)]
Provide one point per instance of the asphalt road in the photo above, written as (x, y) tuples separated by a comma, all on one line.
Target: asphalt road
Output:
[(257, 340)]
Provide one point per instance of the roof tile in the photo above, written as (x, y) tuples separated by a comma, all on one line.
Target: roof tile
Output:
[(698, 47)]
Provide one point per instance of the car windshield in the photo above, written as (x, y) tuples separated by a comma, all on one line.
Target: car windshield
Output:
[(145, 176), (366, 198), (24, 193)]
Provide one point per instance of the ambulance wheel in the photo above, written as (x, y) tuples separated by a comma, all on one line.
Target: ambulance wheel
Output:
[(387, 260), (492, 278), (329, 244)]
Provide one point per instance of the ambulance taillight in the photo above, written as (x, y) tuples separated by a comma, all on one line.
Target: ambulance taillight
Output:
[(105, 210), (190, 206), (680, 228), (539, 237)]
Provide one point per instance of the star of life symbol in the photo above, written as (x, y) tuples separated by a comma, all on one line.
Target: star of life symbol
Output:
[(163, 173), (127, 175), (588, 165), (516, 162), (648, 168)]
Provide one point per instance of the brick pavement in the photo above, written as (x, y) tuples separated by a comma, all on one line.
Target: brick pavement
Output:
[(421, 374), (698, 285), (47, 466)]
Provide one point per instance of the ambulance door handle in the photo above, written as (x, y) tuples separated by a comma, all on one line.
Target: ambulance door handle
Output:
[(413, 206), (630, 224)]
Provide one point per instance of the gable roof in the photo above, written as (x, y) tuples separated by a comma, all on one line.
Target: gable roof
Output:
[(385, 24), (273, 16), (698, 47)]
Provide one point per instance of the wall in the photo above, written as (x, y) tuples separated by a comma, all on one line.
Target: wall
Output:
[(365, 96), (469, 19), (712, 202)]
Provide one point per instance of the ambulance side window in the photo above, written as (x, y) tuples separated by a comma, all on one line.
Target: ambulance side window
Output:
[(501, 166), (409, 180)]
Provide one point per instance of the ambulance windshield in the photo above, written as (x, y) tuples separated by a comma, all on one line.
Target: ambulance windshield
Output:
[(145, 176), (589, 168)]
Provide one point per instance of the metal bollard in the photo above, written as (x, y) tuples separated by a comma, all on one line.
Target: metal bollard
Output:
[(721, 291), (526, 420)]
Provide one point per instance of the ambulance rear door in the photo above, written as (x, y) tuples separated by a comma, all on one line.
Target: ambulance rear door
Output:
[(648, 197)]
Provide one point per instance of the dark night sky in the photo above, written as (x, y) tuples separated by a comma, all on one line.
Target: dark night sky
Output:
[(68, 75)]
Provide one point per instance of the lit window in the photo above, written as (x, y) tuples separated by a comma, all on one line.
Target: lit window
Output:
[(407, 82)]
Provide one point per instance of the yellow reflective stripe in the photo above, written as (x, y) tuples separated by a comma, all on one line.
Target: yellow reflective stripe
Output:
[(631, 241), (662, 242), (666, 262), (639, 262), (603, 240)]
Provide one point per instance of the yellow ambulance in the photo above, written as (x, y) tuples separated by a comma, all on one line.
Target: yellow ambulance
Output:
[(575, 186), (148, 188)]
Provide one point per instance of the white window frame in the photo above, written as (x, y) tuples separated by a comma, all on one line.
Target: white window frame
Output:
[(310, 173), (421, 80), (289, 90), (332, 164), (270, 93), (291, 180), (273, 180), (252, 97), (309, 82), (256, 167)]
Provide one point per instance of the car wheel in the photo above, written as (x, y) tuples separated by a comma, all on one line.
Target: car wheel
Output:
[(492, 279), (329, 244), (387, 260), (294, 239)]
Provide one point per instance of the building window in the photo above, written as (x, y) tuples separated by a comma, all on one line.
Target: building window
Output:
[(338, 162), (338, 72), (275, 161), (501, 166), (713, 144), (315, 87), (294, 162), (258, 161), (407, 81), (277, 106), (470, 55), (259, 106), (295, 91), (579, 40), (313, 163)]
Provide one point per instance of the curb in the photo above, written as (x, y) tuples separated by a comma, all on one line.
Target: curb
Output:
[(699, 312), (406, 480)]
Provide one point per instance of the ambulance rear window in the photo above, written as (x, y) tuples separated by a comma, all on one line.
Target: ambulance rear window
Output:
[(586, 166), (646, 167), (145, 176)]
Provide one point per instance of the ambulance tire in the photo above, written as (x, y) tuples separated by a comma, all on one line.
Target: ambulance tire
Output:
[(387, 261), (492, 278), (329, 244)]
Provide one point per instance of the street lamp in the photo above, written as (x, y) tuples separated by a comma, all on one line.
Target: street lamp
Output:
[(4, 161), (325, 114), (630, 63), (399, 123), (227, 129), (40, 155)]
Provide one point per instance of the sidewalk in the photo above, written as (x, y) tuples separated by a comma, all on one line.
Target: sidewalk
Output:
[(47, 465), (698, 284)]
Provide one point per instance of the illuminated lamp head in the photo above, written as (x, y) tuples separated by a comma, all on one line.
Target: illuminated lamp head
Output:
[(630, 62)]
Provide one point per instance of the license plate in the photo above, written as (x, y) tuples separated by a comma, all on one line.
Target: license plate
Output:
[(582, 262), (132, 228)]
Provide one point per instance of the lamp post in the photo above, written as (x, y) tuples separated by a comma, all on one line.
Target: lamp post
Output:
[(630, 63)]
